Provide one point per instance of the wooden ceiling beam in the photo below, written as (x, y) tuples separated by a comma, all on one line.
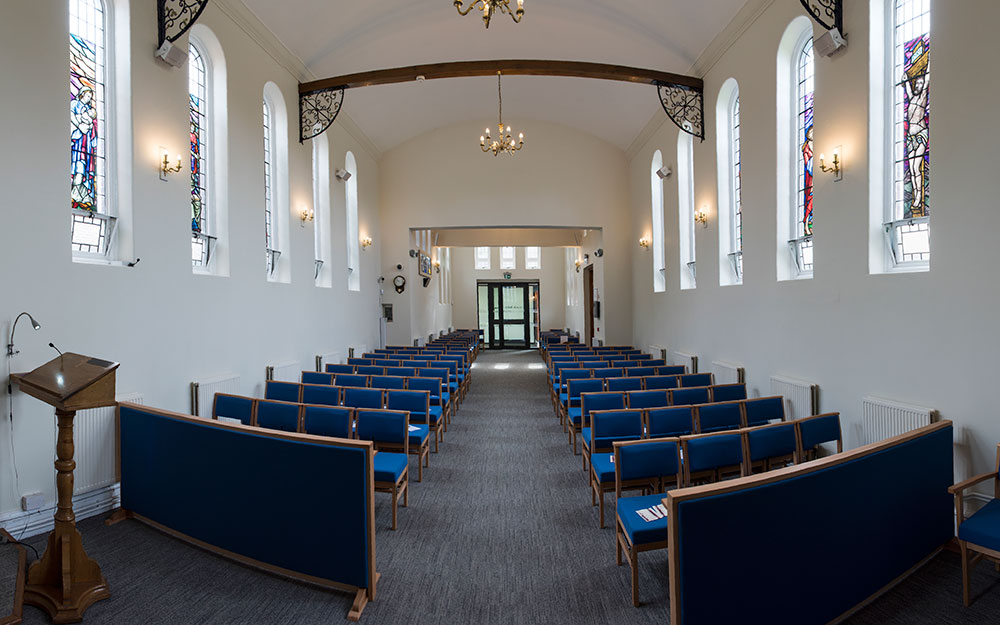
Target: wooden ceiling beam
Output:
[(513, 67)]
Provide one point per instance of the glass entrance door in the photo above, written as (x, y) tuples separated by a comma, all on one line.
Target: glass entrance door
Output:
[(508, 314)]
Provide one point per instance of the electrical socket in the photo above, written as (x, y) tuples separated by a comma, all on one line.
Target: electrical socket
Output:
[(32, 501)]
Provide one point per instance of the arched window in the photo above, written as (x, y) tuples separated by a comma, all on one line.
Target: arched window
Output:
[(794, 202), (275, 127), (321, 210), (900, 136), (353, 243), (208, 152), (727, 115), (685, 209), (656, 207)]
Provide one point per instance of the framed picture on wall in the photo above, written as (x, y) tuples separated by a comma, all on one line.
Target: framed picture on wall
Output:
[(423, 264)]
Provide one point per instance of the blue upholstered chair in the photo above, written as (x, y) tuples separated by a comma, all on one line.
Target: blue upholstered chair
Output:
[(655, 362), (335, 368), (729, 392), (388, 430), (233, 407), (979, 533), (370, 370), (328, 421), (434, 387), (640, 371), (371, 398), (321, 394), (562, 386), (278, 415), (624, 384), (351, 379), (571, 408), (588, 403), (624, 364), (718, 417), (608, 372), (283, 391), (670, 421), (689, 396), (316, 377), (424, 417), (712, 457), (447, 398), (697, 379), (816, 430), (606, 428), (671, 370), (770, 446), (763, 410), (388, 382), (652, 465), (639, 356), (647, 399), (661, 382), (403, 372)]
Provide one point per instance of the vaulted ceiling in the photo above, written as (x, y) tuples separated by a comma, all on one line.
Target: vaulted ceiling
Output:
[(335, 37)]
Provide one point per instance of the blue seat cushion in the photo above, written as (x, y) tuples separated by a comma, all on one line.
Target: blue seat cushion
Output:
[(576, 414), (585, 434), (563, 398), (604, 468), (983, 527), (446, 396), (418, 436), (389, 466), (435, 413), (639, 531)]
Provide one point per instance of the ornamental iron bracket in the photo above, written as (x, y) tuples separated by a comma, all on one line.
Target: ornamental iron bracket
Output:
[(685, 106), (317, 110), (828, 13), (175, 17)]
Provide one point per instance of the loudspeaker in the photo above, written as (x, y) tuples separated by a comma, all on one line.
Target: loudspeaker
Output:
[(664, 172), (174, 56), (829, 42), (342, 175)]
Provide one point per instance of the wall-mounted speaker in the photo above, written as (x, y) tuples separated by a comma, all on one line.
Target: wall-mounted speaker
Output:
[(174, 56)]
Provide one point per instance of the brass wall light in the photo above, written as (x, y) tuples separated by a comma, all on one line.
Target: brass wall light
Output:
[(366, 242), (165, 167), (701, 217), (644, 243), (837, 169)]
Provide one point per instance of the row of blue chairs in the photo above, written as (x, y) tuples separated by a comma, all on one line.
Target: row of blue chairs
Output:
[(608, 381), (418, 382), (388, 429), (654, 465), (558, 381), (459, 377)]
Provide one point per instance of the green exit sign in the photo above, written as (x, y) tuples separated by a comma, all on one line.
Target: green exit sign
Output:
[(506, 275)]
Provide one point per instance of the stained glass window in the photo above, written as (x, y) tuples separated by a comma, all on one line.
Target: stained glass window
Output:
[(268, 190), (737, 174), (911, 138), (806, 74), (87, 75), (198, 106)]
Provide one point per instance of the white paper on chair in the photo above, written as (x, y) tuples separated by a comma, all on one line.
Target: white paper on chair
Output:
[(229, 420), (413, 428), (652, 514)]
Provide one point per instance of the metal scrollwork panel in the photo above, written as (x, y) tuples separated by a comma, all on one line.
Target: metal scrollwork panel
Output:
[(828, 13), (317, 110), (685, 106), (177, 16)]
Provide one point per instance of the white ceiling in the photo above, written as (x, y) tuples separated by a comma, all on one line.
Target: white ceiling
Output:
[(336, 37)]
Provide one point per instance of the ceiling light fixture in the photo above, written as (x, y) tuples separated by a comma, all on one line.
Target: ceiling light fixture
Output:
[(505, 142), (489, 7)]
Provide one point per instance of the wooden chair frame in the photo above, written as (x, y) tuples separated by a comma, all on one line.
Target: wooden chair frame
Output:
[(402, 483), (598, 488), (810, 454), (718, 473), (958, 490), (773, 462)]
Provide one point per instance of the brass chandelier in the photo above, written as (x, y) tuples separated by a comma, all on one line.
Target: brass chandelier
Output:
[(505, 142), (489, 7)]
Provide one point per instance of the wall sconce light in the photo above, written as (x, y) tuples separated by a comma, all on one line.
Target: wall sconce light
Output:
[(838, 166), (701, 217), (437, 266), (579, 264), (306, 214), (644, 243), (366, 242), (165, 167), (11, 352)]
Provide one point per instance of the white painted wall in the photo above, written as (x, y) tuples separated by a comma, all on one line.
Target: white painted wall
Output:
[(562, 177), (926, 338), (165, 325)]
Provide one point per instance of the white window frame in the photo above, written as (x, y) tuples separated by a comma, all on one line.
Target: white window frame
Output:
[(279, 250), (508, 258), (886, 228), (656, 210), (729, 187), (322, 267), (353, 233), (685, 210), (533, 257), (483, 260)]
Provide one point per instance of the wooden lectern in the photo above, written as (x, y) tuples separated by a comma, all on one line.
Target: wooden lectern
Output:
[(65, 582)]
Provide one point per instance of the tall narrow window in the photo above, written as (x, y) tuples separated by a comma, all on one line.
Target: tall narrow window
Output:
[(730, 184), (198, 108), (685, 209), (269, 218), (353, 242), (93, 224), (483, 258), (802, 244), (322, 274), (656, 208), (532, 258), (508, 258)]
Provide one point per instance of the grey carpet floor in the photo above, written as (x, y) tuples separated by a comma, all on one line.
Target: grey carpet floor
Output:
[(501, 531)]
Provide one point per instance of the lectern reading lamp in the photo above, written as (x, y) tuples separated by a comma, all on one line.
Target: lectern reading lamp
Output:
[(65, 581)]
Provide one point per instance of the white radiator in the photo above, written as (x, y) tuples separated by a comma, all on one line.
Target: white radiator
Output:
[(801, 397), (203, 392), (884, 418), (94, 440), (657, 351), (687, 359), (360, 350), (328, 358), (285, 372), (728, 372)]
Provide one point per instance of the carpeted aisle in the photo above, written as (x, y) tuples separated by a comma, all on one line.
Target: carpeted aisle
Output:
[(501, 531)]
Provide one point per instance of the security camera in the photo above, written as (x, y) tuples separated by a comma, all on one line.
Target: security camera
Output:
[(599, 252), (413, 253)]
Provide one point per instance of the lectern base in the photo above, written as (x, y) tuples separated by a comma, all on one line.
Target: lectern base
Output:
[(65, 582)]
